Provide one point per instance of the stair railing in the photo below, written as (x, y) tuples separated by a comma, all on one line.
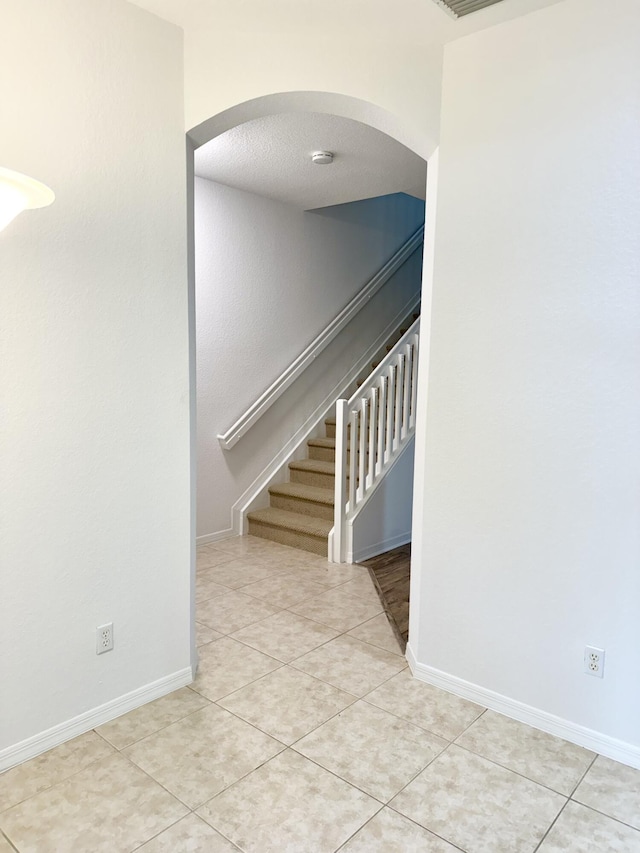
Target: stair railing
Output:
[(255, 411), (372, 429)]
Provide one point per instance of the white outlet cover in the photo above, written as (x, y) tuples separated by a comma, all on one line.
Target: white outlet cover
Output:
[(594, 661), (104, 638)]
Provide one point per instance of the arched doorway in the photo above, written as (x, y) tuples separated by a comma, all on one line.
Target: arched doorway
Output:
[(330, 104)]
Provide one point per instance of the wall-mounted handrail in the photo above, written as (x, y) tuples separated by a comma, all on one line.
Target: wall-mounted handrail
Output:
[(291, 373), (373, 427)]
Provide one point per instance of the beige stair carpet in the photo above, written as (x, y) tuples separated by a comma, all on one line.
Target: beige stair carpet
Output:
[(300, 513)]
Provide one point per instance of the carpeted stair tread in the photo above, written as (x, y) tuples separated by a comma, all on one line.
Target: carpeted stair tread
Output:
[(330, 422), (303, 492), (316, 466), (301, 511), (307, 524), (322, 442)]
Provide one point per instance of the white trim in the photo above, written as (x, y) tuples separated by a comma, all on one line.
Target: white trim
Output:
[(249, 498), (391, 464), (216, 537), (611, 747), (387, 544), (418, 588), (291, 373), (379, 548), (381, 369), (63, 732)]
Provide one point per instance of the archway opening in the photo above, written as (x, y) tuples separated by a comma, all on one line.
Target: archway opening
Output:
[(245, 305)]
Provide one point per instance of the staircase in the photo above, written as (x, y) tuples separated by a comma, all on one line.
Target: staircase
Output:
[(301, 511)]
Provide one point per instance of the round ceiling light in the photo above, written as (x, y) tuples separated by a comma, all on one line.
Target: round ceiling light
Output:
[(19, 192), (322, 158)]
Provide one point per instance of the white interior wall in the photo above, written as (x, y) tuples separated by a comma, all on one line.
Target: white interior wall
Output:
[(387, 56), (94, 455), (529, 466), (269, 278), (401, 77), (384, 522)]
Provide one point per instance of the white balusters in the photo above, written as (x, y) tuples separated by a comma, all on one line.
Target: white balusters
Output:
[(393, 370), (362, 447), (342, 413), (372, 429), (353, 460), (372, 443), (414, 383), (382, 411), (406, 391), (398, 402)]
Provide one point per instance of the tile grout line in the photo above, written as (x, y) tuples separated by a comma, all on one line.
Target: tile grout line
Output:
[(604, 814), (360, 828), (190, 809), (4, 835), (253, 681), (404, 787), (280, 609), (510, 770), (318, 622), (383, 803), (160, 728), (582, 778), (550, 827), (48, 787), (406, 719), (315, 648), (289, 745), (153, 837), (437, 835), (449, 745), (320, 680)]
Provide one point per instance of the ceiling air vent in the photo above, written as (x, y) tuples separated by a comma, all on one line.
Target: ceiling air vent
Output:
[(465, 7)]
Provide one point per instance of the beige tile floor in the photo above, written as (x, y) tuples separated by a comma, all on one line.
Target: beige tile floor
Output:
[(305, 733)]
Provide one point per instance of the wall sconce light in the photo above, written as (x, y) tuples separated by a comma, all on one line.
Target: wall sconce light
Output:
[(19, 192)]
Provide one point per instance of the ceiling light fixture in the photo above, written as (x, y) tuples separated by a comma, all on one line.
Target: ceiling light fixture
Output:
[(322, 158), (19, 192)]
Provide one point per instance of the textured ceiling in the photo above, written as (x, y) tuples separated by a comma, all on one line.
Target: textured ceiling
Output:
[(415, 21), (272, 157)]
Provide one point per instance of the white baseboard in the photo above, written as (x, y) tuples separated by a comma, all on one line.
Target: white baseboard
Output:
[(380, 547), (215, 537), (610, 747), (63, 732)]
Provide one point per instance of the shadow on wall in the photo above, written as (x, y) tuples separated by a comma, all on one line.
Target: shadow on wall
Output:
[(404, 211)]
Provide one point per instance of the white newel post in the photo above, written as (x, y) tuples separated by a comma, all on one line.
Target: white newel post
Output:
[(340, 498)]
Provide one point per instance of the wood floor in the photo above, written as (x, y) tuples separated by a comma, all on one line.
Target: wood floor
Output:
[(390, 574)]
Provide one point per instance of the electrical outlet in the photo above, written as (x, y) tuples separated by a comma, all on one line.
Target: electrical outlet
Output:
[(104, 638), (594, 661)]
